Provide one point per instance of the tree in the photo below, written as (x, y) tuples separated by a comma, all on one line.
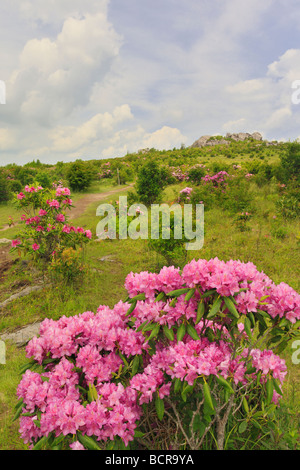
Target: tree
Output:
[(79, 176), (4, 189), (290, 162), (150, 183)]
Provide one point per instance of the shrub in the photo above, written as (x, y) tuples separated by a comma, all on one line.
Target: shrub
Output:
[(186, 354), (4, 189), (172, 249), (149, 185), (241, 221), (290, 162), (79, 176), (196, 173), (288, 207), (46, 232)]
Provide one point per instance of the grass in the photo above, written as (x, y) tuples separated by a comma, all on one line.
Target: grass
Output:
[(110, 261)]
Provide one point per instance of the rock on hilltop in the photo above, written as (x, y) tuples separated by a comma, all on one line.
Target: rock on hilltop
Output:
[(207, 140)]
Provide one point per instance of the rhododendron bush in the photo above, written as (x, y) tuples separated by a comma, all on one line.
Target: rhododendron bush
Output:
[(185, 354), (46, 233)]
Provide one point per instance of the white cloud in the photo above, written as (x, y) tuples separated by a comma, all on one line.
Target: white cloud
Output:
[(102, 78), (56, 76), (90, 133)]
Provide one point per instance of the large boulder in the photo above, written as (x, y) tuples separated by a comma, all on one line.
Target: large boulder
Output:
[(208, 140)]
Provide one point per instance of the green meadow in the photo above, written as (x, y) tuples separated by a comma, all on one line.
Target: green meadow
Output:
[(270, 240)]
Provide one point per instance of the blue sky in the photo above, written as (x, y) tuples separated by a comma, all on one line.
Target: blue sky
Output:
[(100, 78)]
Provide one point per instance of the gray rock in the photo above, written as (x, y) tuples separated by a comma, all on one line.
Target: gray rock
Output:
[(23, 335), (22, 293), (208, 140), (4, 241)]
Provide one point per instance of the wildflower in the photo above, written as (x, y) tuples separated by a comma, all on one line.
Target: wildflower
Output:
[(60, 218), (35, 247)]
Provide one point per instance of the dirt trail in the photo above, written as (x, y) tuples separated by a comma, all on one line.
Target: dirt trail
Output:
[(81, 205)]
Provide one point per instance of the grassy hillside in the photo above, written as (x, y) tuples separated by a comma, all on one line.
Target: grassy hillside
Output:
[(269, 239)]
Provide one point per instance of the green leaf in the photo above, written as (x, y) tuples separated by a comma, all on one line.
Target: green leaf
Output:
[(252, 319), (224, 383), (247, 325), (149, 326), (181, 332), (269, 390), (214, 308), (243, 426), (160, 296), (131, 308), (245, 405), (138, 433), (154, 332), (276, 386), (136, 298), (135, 365), (168, 333), (207, 396), (43, 441), (142, 325), (200, 311), (187, 389), (160, 408), (178, 292), (18, 411), (192, 332), (88, 442), (208, 293), (189, 295), (231, 307), (177, 385)]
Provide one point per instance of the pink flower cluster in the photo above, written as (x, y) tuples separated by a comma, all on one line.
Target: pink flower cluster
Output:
[(217, 179), (179, 174), (50, 218), (228, 278), (186, 190), (82, 388)]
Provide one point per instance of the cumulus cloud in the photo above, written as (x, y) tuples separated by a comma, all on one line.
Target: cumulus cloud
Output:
[(55, 76), (102, 78)]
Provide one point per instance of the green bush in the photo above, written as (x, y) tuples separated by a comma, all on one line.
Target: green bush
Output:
[(79, 176), (150, 184), (4, 189)]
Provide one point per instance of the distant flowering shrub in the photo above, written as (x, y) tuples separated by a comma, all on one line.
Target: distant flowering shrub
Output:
[(218, 180), (183, 354), (46, 231)]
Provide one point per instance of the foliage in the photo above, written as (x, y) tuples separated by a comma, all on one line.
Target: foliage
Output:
[(290, 162), (46, 232), (149, 185), (167, 245), (4, 188), (241, 221), (79, 176), (193, 352)]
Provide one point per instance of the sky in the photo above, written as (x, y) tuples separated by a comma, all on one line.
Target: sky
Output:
[(99, 79)]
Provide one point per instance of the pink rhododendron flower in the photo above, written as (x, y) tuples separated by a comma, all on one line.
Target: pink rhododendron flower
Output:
[(53, 203), (35, 247), (60, 218)]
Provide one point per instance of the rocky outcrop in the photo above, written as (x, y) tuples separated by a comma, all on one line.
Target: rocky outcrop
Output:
[(208, 140)]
